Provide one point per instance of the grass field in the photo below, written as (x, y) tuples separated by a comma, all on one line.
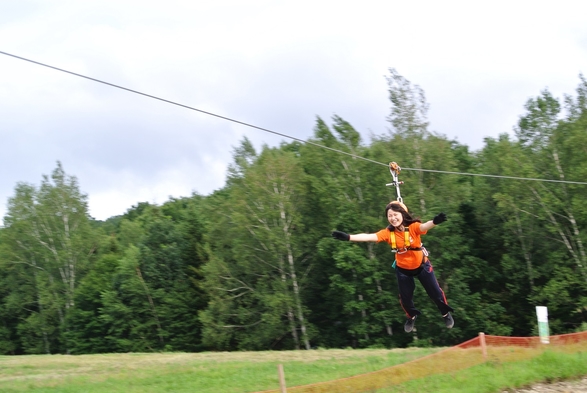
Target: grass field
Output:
[(228, 372), (255, 371)]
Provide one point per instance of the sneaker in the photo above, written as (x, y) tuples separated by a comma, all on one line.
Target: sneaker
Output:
[(448, 320), (409, 325)]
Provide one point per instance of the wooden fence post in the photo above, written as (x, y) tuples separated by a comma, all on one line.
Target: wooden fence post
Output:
[(282, 386), (483, 345)]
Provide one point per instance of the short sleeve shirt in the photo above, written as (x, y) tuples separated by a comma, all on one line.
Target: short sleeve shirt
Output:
[(411, 259)]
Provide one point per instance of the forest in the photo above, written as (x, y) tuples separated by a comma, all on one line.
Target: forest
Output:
[(253, 266)]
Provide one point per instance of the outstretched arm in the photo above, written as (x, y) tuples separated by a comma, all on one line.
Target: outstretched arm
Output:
[(363, 237), (360, 237), (439, 219)]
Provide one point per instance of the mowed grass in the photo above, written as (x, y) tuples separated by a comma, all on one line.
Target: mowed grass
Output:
[(211, 372), (256, 371)]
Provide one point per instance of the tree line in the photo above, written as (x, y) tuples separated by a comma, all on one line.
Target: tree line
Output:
[(252, 266)]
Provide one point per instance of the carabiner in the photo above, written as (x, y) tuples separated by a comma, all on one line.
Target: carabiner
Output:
[(395, 169)]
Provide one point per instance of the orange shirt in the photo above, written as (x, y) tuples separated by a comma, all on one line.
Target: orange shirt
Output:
[(410, 259)]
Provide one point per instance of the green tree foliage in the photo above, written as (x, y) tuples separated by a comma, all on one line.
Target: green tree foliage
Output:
[(257, 296), (146, 297), (253, 266), (543, 258), (357, 302), (47, 244)]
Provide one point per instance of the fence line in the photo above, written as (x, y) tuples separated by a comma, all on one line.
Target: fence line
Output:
[(467, 354)]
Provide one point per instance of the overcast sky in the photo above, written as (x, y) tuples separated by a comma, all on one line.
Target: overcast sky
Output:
[(274, 64)]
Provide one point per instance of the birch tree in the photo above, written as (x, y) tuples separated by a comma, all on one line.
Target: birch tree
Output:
[(546, 139), (49, 238), (409, 119), (260, 291), (353, 194)]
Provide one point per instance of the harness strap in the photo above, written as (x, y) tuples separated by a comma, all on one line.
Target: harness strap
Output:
[(406, 240), (392, 237)]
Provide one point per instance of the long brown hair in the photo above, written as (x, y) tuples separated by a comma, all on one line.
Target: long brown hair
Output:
[(399, 207)]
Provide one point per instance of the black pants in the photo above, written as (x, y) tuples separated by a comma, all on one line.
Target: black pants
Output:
[(406, 284)]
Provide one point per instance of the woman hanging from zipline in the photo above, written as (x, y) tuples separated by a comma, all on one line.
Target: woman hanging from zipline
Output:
[(403, 235)]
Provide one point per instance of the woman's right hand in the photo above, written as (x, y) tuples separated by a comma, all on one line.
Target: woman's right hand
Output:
[(338, 235)]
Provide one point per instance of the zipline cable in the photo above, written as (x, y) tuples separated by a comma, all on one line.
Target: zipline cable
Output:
[(497, 176), (184, 106), (275, 132)]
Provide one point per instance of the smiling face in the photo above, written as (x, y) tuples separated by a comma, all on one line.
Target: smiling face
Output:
[(395, 218)]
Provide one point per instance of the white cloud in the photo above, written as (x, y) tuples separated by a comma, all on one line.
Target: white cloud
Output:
[(274, 64)]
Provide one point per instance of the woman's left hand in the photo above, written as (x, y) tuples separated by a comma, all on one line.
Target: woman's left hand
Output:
[(439, 219)]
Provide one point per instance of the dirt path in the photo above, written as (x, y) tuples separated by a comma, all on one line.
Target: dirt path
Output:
[(576, 386)]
